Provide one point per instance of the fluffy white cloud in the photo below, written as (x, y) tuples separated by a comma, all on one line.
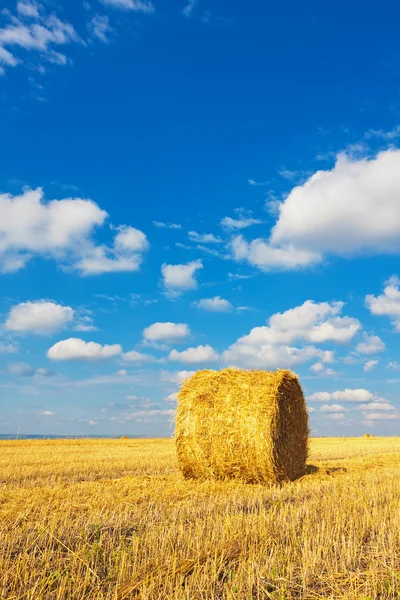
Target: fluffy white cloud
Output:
[(125, 255), (267, 346), (356, 395), (371, 344), (48, 413), (31, 30), (144, 6), (267, 356), (241, 223), (200, 354), (261, 254), (347, 395), (204, 238), (369, 365), (62, 229), (332, 408), (40, 317), (388, 303), (180, 278), (78, 349), (350, 209), (313, 322), (172, 397), (166, 332), (136, 357), (216, 304)]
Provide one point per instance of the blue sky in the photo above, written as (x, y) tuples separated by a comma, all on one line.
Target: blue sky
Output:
[(190, 185)]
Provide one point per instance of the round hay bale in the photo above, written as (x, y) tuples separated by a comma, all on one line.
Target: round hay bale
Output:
[(247, 425)]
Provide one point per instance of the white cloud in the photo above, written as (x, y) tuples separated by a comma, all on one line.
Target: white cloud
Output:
[(48, 413), (267, 356), (125, 255), (62, 229), (144, 6), (180, 278), (84, 322), (336, 416), (352, 208), (369, 365), (347, 395), (385, 135), (166, 332), (267, 346), (371, 345), (257, 183), (162, 225), (35, 32), (28, 9), (388, 303), (320, 397), (241, 223), (100, 28), (200, 354), (378, 416), (176, 376), (172, 397), (320, 369), (377, 407), (136, 357), (203, 238), (7, 347), (41, 317), (332, 408), (313, 322), (216, 304), (261, 254), (24, 370), (394, 365), (288, 174), (78, 349)]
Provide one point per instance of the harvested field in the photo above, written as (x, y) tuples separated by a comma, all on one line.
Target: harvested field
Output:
[(115, 519)]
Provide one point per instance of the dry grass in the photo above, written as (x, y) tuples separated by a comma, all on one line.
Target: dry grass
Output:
[(114, 519)]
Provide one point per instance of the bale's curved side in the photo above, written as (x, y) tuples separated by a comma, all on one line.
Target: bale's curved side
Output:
[(250, 425)]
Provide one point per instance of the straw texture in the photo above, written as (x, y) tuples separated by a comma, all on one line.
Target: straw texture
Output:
[(248, 425)]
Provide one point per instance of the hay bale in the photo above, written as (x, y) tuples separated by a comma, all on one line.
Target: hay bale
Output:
[(248, 425)]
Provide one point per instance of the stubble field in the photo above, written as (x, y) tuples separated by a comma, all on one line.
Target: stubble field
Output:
[(114, 520)]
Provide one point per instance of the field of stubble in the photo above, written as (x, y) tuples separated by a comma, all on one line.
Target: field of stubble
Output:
[(114, 520)]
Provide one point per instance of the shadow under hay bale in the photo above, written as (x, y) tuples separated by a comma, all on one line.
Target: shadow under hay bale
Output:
[(247, 425)]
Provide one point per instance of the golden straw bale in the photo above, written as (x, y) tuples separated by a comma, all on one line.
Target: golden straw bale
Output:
[(247, 425)]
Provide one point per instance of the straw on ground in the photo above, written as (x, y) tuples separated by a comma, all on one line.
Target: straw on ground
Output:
[(114, 520)]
